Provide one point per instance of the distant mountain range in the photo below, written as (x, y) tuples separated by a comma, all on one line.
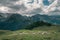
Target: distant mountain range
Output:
[(17, 21)]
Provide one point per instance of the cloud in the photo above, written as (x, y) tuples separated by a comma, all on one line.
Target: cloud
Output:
[(51, 7), (24, 8), (33, 6), (4, 9)]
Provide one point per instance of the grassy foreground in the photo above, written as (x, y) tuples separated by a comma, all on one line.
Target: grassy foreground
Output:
[(40, 33)]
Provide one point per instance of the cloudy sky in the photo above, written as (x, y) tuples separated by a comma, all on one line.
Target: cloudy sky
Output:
[(30, 7)]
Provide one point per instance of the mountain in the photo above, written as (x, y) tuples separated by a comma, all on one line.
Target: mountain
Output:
[(17, 21), (14, 22), (54, 19)]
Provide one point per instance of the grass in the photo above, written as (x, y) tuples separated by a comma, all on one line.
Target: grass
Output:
[(41, 33)]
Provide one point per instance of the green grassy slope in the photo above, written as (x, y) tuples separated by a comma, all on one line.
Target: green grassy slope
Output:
[(43, 33)]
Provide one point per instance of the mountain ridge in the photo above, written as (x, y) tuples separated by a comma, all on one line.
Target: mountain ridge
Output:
[(17, 21)]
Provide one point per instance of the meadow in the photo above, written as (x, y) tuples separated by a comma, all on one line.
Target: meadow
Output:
[(39, 33)]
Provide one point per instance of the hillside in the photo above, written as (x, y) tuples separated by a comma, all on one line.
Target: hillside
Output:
[(30, 35), (37, 27), (16, 21)]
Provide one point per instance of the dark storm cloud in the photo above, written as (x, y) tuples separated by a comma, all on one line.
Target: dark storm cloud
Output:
[(17, 7), (11, 4)]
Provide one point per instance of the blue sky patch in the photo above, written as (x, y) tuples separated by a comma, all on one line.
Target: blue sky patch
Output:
[(46, 2)]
